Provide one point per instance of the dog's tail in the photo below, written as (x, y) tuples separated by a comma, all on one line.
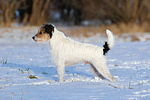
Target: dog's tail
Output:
[(108, 45)]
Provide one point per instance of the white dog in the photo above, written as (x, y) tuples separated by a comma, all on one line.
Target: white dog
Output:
[(66, 52)]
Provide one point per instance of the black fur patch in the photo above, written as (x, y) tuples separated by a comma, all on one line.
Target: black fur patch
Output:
[(48, 28), (106, 48)]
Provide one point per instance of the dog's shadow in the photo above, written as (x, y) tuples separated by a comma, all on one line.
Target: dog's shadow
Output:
[(50, 73)]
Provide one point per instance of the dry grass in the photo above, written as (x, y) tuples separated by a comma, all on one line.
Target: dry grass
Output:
[(87, 31), (77, 31), (126, 28), (117, 29)]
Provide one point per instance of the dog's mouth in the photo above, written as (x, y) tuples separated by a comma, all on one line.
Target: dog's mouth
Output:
[(37, 40)]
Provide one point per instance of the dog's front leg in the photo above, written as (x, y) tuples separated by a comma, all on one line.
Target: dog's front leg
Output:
[(61, 70)]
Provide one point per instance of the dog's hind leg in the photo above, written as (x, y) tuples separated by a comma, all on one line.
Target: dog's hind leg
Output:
[(100, 65), (61, 71), (95, 72)]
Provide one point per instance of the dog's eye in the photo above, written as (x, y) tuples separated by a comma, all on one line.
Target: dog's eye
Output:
[(40, 32)]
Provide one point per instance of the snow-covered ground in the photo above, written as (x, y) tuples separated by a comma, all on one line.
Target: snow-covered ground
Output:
[(26, 71)]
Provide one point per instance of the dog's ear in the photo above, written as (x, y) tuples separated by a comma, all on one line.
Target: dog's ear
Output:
[(49, 29)]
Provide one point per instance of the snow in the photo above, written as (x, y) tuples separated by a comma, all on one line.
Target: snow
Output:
[(20, 57)]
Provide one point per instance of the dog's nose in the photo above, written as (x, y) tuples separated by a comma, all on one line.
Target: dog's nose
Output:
[(33, 37)]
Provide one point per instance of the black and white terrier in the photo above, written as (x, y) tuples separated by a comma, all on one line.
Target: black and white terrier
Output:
[(66, 52)]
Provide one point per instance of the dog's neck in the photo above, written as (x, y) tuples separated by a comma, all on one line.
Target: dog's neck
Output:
[(57, 38)]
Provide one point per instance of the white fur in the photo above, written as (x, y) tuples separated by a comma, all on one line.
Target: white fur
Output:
[(110, 38), (66, 52)]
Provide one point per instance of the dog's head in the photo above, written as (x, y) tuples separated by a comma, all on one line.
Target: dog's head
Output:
[(44, 34)]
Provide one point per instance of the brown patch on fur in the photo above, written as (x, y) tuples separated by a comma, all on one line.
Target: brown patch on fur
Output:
[(42, 36)]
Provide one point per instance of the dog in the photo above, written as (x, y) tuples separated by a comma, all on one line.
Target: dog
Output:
[(65, 52)]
